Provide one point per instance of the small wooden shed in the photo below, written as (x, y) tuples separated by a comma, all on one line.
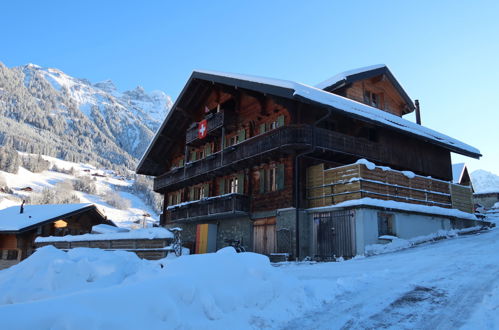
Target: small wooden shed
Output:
[(19, 226)]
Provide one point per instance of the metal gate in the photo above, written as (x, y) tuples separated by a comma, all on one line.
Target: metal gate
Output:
[(335, 234)]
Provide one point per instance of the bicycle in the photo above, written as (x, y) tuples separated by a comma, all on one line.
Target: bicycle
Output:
[(236, 244), (177, 240)]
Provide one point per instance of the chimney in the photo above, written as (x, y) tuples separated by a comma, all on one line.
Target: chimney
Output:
[(418, 112), (22, 207)]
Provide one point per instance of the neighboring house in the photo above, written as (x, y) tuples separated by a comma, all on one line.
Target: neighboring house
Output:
[(275, 165), (19, 230), (460, 175), (486, 199)]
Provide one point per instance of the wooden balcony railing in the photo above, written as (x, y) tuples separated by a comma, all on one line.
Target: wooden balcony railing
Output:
[(350, 182), (287, 137), (218, 206), (216, 121)]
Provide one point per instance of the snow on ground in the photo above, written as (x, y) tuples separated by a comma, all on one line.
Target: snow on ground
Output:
[(106, 181), (447, 284)]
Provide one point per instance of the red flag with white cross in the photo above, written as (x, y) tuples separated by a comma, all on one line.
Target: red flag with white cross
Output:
[(202, 129)]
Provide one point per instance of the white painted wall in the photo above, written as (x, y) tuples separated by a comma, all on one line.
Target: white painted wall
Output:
[(405, 225)]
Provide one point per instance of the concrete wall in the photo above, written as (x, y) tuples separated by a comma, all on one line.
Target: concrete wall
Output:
[(486, 200), (405, 225), (286, 232), (239, 228), (366, 229)]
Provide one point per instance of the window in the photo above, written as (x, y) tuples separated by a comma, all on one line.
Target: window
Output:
[(233, 185), (279, 122), (385, 224), (272, 178), (203, 193), (373, 99), (12, 254), (174, 198), (233, 140)]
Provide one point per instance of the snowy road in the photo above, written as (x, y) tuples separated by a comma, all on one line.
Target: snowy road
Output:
[(449, 284), (443, 285)]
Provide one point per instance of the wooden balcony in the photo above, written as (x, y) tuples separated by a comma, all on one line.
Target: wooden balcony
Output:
[(215, 122), (350, 182), (212, 207), (278, 139), (282, 139)]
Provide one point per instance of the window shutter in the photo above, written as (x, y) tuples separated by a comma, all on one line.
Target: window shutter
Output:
[(181, 163), (280, 121), (207, 149), (170, 199), (221, 186), (179, 197), (262, 181), (262, 128), (193, 155), (240, 183), (206, 190), (280, 176), (191, 193), (242, 135)]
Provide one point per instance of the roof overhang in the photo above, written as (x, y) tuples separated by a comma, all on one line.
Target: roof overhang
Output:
[(346, 78), (89, 208), (151, 161)]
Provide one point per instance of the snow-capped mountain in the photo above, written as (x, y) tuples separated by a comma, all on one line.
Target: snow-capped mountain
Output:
[(485, 182), (47, 111)]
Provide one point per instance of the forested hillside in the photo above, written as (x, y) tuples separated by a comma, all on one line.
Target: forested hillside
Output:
[(44, 111)]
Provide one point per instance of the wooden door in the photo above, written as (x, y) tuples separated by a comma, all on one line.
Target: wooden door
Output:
[(264, 236)]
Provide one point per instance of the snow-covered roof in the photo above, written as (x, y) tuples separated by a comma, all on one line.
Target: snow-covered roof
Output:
[(143, 233), (107, 229), (12, 220), (344, 75), (457, 172), (316, 95), (149, 163)]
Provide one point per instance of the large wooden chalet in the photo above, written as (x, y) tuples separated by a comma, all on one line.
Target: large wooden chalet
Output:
[(271, 163)]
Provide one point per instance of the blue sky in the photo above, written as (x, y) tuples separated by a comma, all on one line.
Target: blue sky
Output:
[(444, 53)]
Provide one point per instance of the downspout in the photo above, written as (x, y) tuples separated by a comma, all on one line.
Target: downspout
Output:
[(297, 181)]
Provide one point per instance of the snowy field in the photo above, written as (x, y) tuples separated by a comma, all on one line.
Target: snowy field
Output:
[(105, 182), (447, 284)]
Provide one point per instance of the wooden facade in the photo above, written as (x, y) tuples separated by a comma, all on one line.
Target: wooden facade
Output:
[(235, 148), (151, 249)]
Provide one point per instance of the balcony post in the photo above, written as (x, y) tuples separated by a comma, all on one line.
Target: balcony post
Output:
[(222, 147)]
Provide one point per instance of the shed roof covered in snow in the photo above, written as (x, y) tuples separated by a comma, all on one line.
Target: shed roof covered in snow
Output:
[(11, 220), (460, 175), (151, 162)]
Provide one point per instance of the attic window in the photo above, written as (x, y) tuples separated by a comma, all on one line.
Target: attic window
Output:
[(373, 99)]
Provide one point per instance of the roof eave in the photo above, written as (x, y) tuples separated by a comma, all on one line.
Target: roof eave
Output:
[(32, 226)]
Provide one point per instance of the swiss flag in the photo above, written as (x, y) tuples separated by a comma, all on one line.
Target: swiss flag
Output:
[(202, 129)]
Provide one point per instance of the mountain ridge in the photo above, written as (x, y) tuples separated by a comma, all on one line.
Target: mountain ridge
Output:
[(485, 182), (46, 111)]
